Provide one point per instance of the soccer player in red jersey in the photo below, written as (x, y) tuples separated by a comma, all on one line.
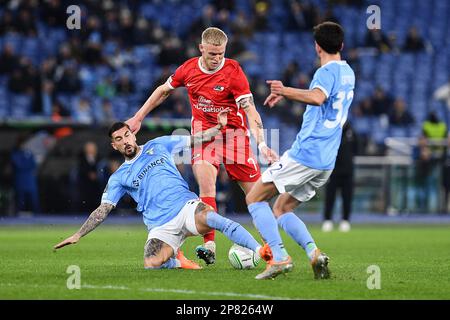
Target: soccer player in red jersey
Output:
[(215, 83)]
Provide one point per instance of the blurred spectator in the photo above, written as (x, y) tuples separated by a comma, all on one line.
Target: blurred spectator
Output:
[(207, 19), (341, 178), (105, 88), (68, 80), (399, 116), (290, 74), (25, 182), (180, 110), (106, 115), (7, 24), (443, 93), (435, 131), (26, 23), (261, 13), (171, 53), (121, 58), (8, 60), (240, 25), (125, 86), (108, 167), (364, 108), (376, 39), (92, 54), (446, 176), (381, 102), (414, 41), (46, 96), (223, 21), (354, 61), (59, 112), (238, 51), (143, 32), (425, 182), (53, 13), (83, 111), (89, 181), (303, 16), (126, 27), (228, 5)]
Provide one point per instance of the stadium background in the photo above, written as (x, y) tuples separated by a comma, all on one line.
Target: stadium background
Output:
[(60, 88)]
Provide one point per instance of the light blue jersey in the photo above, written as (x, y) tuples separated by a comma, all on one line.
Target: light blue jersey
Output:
[(153, 181), (317, 143)]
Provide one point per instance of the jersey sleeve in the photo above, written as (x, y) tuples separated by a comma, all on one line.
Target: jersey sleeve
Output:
[(240, 87), (113, 191), (174, 144), (177, 78), (324, 80)]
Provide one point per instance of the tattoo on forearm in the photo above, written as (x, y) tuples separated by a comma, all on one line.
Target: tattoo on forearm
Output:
[(205, 136), (152, 247), (246, 103), (259, 124), (97, 216)]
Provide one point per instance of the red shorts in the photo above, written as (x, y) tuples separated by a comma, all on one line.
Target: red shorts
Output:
[(234, 152)]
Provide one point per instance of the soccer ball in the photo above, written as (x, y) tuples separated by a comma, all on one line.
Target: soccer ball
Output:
[(242, 258)]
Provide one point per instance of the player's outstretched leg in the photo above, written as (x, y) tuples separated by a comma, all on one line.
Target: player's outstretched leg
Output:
[(298, 231), (264, 220)]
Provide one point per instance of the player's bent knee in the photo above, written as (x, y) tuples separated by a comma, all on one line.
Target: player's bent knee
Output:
[(201, 216)]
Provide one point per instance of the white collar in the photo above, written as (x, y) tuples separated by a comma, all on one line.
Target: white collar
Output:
[(136, 156), (341, 62), (210, 71)]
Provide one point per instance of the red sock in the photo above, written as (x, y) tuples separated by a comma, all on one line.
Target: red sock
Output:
[(212, 202)]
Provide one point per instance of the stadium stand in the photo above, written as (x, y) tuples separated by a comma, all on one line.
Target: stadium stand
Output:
[(49, 72)]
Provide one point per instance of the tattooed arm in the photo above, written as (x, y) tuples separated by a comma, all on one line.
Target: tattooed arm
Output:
[(256, 128), (97, 216), (208, 134)]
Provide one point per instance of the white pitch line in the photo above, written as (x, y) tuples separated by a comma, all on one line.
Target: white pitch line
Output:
[(180, 291)]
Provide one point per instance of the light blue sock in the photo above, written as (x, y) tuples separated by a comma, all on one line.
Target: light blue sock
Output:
[(232, 230), (266, 224), (169, 264), (295, 227)]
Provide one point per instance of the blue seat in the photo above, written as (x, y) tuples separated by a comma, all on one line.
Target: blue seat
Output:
[(20, 107)]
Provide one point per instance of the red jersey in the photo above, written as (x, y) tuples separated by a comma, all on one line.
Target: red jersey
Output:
[(213, 91)]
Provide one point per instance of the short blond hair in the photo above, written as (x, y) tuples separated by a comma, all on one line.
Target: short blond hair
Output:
[(214, 36)]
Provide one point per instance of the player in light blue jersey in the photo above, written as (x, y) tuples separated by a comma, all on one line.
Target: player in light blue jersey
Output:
[(309, 163), (170, 211)]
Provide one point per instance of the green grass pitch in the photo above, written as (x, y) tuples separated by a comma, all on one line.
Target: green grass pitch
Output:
[(414, 263)]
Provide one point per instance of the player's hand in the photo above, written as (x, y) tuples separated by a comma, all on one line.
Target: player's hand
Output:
[(276, 87), (270, 155), (134, 123), (222, 117), (70, 240), (272, 100)]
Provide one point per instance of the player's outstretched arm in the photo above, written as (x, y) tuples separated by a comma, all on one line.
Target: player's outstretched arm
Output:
[(97, 216), (208, 134), (257, 128), (156, 98), (314, 97)]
